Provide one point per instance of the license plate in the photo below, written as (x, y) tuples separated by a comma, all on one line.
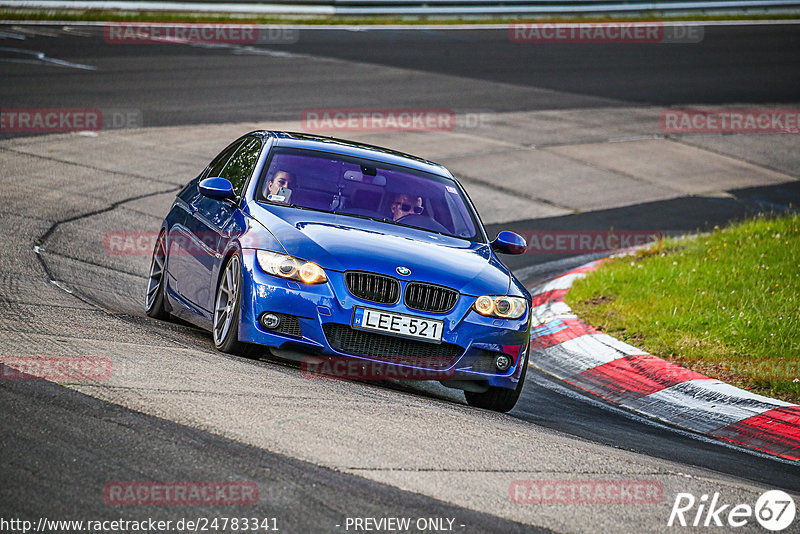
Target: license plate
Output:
[(398, 324)]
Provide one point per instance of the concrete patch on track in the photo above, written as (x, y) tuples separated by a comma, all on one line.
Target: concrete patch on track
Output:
[(682, 168), (772, 151), (433, 445)]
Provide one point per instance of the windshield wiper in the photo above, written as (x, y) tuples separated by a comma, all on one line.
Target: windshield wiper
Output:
[(420, 228), (357, 216)]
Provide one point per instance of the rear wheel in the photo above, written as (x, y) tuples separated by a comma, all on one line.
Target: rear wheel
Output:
[(498, 399), (154, 299)]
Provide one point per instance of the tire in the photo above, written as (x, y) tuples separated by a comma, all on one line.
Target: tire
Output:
[(227, 307), (154, 295), (498, 399)]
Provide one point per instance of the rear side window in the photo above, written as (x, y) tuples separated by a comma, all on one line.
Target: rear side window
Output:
[(216, 166), (241, 165)]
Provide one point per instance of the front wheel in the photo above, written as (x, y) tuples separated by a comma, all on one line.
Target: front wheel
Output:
[(498, 399), (227, 307)]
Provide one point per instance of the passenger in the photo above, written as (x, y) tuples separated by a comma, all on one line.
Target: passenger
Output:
[(280, 179)]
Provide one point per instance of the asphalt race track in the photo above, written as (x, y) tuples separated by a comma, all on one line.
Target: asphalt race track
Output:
[(560, 122), (461, 70)]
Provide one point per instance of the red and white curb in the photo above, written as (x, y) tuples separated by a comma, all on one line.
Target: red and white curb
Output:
[(571, 350)]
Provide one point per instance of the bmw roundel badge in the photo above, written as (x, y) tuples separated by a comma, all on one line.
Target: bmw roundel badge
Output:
[(405, 271)]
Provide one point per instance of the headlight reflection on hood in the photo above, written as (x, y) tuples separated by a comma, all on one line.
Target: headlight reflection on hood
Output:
[(292, 268)]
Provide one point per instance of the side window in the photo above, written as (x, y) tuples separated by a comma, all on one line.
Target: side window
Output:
[(216, 166), (241, 165)]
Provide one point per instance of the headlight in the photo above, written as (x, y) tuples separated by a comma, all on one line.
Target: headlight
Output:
[(503, 307), (291, 268)]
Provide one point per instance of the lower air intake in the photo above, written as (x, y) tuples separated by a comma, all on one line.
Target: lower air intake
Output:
[(392, 349)]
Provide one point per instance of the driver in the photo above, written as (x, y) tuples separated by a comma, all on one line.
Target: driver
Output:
[(273, 186), (406, 205)]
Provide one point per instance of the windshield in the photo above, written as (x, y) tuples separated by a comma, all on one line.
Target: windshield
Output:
[(363, 188)]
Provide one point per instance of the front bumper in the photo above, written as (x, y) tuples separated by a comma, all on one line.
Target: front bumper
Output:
[(318, 319)]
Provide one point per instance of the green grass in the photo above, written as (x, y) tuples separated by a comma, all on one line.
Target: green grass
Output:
[(725, 304), (77, 15)]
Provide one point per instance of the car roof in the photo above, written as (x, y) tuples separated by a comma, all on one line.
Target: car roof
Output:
[(352, 148)]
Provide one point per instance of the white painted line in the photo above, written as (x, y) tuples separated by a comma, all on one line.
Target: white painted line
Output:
[(37, 32), (7, 35), (60, 286), (39, 58)]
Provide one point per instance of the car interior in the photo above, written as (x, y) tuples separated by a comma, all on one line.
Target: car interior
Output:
[(356, 188)]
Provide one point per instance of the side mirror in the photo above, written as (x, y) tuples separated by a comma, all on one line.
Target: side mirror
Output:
[(509, 243), (218, 188)]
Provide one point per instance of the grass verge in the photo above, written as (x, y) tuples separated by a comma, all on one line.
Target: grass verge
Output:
[(726, 304)]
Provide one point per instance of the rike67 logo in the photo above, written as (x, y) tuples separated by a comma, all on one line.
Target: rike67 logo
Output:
[(774, 510)]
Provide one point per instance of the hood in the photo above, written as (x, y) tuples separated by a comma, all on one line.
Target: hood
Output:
[(341, 243)]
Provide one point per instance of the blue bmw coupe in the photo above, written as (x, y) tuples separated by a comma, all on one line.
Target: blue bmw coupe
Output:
[(345, 252)]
